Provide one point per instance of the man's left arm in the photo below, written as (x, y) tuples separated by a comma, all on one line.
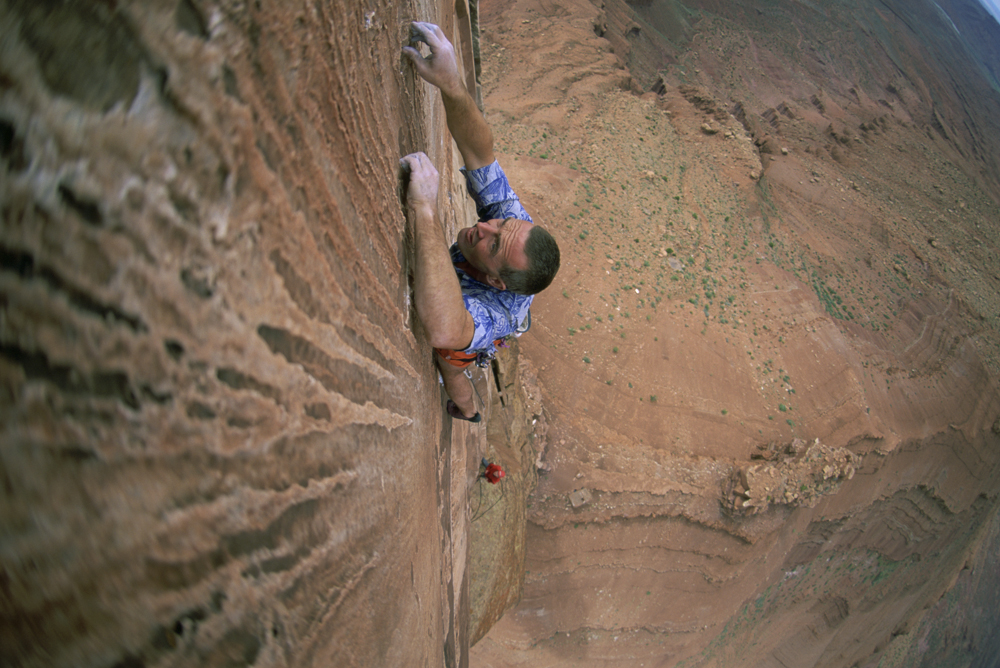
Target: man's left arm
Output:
[(466, 123), (436, 292)]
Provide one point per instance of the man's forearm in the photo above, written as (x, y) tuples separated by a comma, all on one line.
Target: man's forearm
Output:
[(436, 291), (468, 126)]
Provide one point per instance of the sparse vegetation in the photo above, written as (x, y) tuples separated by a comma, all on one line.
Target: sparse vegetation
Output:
[(746, 274)]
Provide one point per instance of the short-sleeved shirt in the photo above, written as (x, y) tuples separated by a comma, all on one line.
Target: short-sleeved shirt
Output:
[(496, 313)]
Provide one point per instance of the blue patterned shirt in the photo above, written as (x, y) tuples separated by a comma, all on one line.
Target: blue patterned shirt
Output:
[(496, 313)]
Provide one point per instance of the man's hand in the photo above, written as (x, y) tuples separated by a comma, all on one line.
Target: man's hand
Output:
[(465, 121), (423, 187), (436, 291), (441, 67)]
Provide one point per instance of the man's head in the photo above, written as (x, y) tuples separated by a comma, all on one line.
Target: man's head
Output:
[(511, 254)]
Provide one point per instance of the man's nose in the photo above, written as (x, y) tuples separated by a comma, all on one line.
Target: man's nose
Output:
[(488, 226)]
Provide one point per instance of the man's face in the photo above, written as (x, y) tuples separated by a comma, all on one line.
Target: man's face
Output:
[(494, 244)]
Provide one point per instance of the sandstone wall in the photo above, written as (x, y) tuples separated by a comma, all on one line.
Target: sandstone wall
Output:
[(221, 437)]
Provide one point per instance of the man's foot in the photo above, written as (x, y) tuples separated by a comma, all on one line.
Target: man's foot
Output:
[(455, 412)]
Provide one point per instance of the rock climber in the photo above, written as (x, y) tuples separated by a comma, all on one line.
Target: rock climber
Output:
[(472, 296)]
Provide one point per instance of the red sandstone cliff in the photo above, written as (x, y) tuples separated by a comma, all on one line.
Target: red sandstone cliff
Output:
[(221, 438)]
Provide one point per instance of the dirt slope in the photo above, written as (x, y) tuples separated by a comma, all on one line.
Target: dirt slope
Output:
[(783, 240)]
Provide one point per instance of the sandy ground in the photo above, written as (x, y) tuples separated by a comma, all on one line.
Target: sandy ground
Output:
[(836, 283)]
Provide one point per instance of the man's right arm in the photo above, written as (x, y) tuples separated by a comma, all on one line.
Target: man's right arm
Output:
[(465, 122), (436, 291)]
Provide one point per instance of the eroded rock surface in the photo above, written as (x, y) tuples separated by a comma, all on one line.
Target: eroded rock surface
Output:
[(796, 475), (221, 432)]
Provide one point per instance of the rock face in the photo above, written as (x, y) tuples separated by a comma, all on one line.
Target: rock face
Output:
[(221, 431), (798, 476), (498, 523)]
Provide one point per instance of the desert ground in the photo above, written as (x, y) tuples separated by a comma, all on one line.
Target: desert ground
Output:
[(767, 264)]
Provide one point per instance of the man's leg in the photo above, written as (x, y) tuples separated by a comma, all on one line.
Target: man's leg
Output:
[(458, 387)]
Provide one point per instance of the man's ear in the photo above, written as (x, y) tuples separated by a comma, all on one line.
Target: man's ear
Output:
[(496, 282)]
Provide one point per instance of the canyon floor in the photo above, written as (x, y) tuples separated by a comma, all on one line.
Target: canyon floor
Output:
[(769, 361)]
